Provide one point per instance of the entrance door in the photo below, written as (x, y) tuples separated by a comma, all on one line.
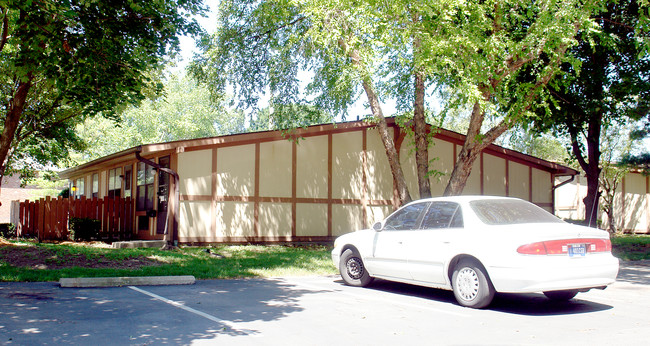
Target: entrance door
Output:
[(163, 196)]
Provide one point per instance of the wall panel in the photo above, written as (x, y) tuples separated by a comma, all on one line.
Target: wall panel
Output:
[(275, 169), (195, 172), (347, 171), (236, 171), (311, 167)]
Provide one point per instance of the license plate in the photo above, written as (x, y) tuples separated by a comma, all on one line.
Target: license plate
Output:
[(577, 250)]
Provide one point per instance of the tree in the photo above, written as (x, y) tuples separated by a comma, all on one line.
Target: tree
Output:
[(183, 111), (476, 51), (261, 47), (64, 61), (608, 80), (473, 51)]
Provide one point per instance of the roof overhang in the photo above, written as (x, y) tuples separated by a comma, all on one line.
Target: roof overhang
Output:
[(149, 150)]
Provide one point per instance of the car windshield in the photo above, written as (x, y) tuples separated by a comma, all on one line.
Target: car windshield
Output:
[(509, 211)]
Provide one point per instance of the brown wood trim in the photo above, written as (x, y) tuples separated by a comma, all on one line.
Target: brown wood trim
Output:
[(298, 200), (330, 156), (647, 203), (215, 182), (256, 208), (482, 175), (195, 198), (245, 239), (294, 186), (364, 178), (530, 184), (507, 177)]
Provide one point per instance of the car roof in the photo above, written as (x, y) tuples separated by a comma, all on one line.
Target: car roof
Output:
[(461, 199)]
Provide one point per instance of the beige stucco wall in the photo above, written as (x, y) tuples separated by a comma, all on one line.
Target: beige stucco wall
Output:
[(519, 180), (195, 219), (234, 219), (441, 159), (541, 187), (347, 169), (635, 203), (275, 169), (195, 172), (275, 219), (311, 219), (494, 175), (311, 167), (236, 170), (346, 218), (632, 209), (379, 177)]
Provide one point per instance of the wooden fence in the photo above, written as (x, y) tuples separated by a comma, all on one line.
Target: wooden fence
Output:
[(48, 218)]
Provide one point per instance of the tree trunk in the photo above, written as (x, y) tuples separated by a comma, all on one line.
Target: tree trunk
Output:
[(399, 182), (421, 140), (591, 166), (389, 145), (15, 111), (593, 171)]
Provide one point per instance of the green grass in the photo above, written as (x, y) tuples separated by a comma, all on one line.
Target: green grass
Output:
[(237, 262), (631, 247)]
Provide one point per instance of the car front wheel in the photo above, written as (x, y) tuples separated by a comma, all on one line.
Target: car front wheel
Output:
[(472, 288), (352, 270)]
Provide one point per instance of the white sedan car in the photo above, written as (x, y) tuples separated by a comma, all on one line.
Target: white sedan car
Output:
[(477, 246)]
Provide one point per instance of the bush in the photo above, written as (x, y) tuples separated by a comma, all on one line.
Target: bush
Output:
[(7, 230), (83, 228)]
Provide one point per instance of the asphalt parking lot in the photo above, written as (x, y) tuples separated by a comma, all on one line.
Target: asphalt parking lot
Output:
[(318, 311)]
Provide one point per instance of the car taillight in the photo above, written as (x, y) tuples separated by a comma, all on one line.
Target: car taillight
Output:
[(560, 247)]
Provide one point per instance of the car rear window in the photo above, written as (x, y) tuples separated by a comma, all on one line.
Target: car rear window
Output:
[(507, 212)]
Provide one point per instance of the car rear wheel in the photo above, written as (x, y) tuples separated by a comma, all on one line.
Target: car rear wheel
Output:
[(561, 295), (352, 270), (472, 288)]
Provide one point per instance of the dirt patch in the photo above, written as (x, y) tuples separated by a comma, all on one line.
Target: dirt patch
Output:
[(27, 255)]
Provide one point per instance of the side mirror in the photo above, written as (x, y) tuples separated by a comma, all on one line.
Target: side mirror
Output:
[(377, 226)]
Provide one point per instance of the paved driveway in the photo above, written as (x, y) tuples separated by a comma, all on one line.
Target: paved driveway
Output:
[(318, 311)]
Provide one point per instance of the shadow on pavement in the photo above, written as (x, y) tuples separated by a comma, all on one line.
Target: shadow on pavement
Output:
[(43, 313), (521, 304), (634, 272)]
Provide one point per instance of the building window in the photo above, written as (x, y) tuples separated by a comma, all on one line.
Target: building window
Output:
[(115, 182), (128, 181), (145, 191), (79, 188), (95, 186)]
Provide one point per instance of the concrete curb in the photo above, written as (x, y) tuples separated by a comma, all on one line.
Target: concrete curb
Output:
[(127, 281)]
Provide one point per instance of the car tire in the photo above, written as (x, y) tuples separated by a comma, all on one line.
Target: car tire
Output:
[(352, 269), (471, 285), (561, 295)]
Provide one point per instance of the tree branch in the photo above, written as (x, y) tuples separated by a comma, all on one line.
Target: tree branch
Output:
[(5, 28)]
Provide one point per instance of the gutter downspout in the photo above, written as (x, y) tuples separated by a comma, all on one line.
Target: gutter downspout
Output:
[(170, 235), (555, 187)]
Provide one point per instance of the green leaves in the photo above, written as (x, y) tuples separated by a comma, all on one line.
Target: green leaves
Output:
[(76, 59)]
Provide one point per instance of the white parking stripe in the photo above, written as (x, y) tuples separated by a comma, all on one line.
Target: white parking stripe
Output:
[(380, 299), (229, 324)]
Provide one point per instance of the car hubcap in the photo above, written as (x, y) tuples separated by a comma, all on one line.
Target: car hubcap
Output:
[(355, 267), (467, 283)]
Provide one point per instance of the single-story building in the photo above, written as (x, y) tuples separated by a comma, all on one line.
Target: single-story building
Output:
[(323, 181), (631, 202)]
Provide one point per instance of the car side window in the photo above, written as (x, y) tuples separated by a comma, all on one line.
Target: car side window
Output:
[(443, 215), (405, 218)]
